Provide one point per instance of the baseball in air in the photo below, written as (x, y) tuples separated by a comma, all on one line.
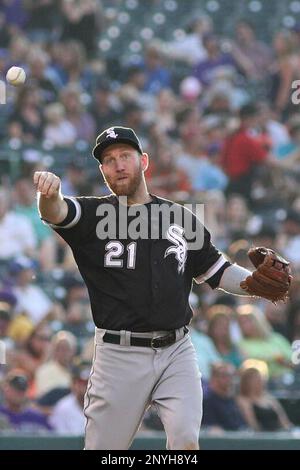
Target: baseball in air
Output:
[(16, 76)]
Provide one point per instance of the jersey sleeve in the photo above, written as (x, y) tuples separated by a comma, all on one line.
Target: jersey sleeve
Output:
[(80, 221)]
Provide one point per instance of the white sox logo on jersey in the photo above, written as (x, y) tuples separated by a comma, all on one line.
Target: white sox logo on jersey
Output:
[(111, 133), (175, 235)]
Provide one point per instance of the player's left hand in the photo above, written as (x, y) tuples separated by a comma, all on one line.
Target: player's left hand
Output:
[(272, 277)]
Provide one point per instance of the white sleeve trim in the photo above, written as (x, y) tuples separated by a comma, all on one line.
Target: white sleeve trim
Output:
[(231, 279), (76, 218), (211, 271)]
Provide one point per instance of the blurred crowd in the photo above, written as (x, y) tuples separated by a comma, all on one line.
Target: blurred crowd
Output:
[(216, 116)]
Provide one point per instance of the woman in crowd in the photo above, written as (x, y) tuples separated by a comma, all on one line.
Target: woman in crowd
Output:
[(261, 411), (261, 342), (219, 331)]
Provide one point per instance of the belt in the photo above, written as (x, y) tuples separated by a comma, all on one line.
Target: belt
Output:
[(154, 343)]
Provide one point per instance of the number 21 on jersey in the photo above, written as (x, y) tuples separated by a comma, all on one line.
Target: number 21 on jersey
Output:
[(114, 252)]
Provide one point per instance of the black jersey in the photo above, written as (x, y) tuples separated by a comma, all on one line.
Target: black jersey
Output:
[(137, 284)]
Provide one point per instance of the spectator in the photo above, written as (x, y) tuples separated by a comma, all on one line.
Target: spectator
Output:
[(16, 15), (237, 215), (207, 355), (288, 152), (219, 102), (69, 65), (204, 174), (16, 232), (33, 354), (74, 181), (27, 120), (7, 344), (156, 72), (5, 31), (81, 21), (189, 48), (220, 409), (167, 178), (67, 416), (242, 155), (134, 118), (75, 288), (105, 107), (15, 410), (282, 72), (291, 245), (191, 158), (26, 206), (82, 121), (219, 332), (256, 55), (18, 50), (38, 61), (20, 328), (57, 371), (167, 104), (31, 299), (205, 69), (78, 322), (276, 132), (133, 90), (63, 258), (58, 130), (261, 411), (46, 402), (277, 316), (5, 320), (260, 342), (293, 321), (225, 95), (43, 19)]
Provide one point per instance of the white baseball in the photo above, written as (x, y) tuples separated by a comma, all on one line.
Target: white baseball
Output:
[(16, 76)]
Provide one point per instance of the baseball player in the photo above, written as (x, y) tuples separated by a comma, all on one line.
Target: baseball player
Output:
[(139, 288)]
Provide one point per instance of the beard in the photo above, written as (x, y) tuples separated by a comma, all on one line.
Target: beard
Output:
[(126, 187)]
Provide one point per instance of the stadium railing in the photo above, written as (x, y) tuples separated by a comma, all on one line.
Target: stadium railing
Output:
[(157, 441)]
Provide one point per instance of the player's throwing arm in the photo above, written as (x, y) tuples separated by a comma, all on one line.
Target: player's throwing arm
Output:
[(51, 203)]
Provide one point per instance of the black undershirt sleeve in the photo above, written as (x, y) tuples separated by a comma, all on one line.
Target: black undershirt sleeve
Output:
[(214, 281), (69, 217)]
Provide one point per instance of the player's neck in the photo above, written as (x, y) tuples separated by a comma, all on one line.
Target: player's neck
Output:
[(141, 196), (139, 200)]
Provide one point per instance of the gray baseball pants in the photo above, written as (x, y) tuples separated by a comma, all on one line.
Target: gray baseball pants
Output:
[(125, 380)]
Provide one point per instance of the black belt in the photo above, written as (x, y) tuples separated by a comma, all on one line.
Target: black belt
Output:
[(156, 342)]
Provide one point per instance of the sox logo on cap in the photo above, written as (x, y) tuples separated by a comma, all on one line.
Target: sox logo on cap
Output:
[(111, 133)]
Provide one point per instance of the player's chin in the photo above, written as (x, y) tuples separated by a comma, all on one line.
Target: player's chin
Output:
[(121, 189)]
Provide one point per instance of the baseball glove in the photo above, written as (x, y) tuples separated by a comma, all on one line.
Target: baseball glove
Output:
[(272, 277)]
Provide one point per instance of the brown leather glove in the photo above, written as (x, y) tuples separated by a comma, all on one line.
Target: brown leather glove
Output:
[(272, 277)]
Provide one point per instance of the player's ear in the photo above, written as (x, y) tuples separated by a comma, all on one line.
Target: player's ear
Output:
[(145, 161), (100, 168)]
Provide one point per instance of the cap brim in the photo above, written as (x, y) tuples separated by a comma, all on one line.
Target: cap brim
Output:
[(98, 149)]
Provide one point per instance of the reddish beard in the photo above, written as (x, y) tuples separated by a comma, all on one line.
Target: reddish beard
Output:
[(126, 187)]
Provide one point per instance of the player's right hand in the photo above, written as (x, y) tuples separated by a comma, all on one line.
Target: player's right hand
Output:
[(48, 184)]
